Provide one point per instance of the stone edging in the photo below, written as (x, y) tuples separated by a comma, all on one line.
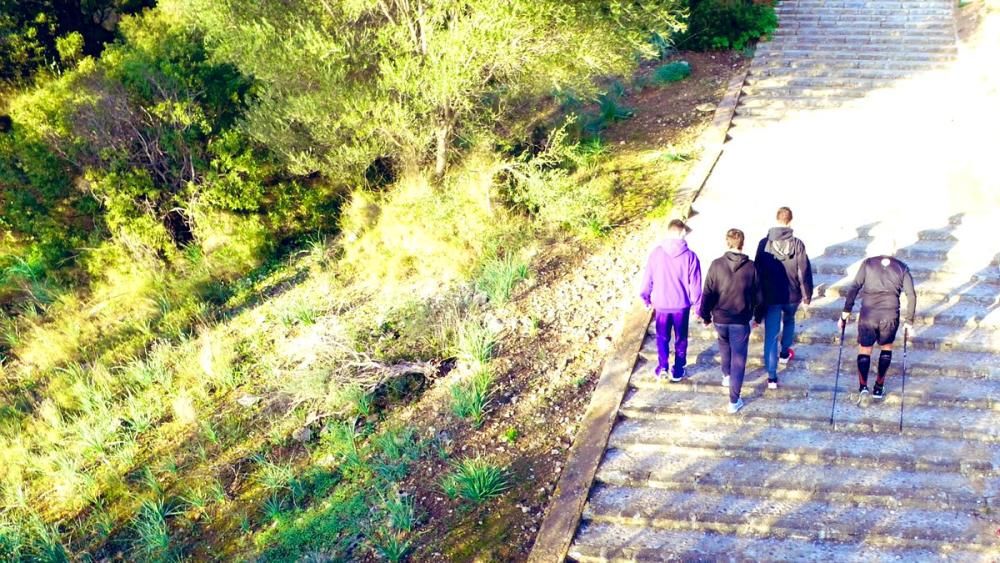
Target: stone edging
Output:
[(566, 506)]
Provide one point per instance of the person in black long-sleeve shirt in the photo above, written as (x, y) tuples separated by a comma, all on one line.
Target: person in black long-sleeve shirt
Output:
[(880, 281), (732, 299)]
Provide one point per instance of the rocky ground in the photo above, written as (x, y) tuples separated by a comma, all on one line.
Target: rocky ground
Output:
[(554, 334)]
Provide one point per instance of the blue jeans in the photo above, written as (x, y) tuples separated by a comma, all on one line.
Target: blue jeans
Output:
[(733, 343), (779, 319)]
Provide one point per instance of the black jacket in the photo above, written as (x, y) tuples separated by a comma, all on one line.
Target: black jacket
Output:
[(880, 280), (784, 268), (732, 292)]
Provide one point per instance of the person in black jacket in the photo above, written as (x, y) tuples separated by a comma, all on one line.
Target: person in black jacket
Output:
[(879, 281), (786, 276), (732, 300)]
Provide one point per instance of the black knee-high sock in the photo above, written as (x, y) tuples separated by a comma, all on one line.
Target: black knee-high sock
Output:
[(884, 359), (864, 364)]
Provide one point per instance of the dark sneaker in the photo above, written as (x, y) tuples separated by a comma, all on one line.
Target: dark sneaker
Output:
[(677, 377), (878, 392), (786, 357), (863, 396)]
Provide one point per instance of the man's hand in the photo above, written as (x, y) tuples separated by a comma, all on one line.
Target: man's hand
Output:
[(754, 324), (706, 322), (845, 317)]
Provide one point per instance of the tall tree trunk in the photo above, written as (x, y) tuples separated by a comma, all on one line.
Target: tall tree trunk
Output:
[(441, 150)]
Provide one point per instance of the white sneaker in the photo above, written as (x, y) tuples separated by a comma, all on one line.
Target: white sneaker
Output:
[(735, 407), (725, 381), (772, 384)]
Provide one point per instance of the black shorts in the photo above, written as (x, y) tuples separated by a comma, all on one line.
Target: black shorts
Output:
[(882, 331)]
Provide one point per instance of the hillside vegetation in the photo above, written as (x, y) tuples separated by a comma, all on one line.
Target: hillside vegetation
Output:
[(240, 238)]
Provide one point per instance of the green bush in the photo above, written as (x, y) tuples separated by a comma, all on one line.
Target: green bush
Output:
[(671, 72), (728, 24)]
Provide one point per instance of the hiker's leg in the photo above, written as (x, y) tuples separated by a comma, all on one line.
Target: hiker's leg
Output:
[(662, 341), (739, 340), (772, 326), (788, 327), (725, 350), (867, 335), (887, 334), (680, 324)]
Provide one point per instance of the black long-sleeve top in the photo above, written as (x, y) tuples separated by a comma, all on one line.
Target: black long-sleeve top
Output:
[(732, 293), (783, 267), (880, 281)]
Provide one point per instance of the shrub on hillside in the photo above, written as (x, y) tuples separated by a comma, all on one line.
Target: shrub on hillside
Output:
[(728, 24)]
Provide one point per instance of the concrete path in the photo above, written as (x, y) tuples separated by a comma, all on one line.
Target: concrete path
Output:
[(859, 116)]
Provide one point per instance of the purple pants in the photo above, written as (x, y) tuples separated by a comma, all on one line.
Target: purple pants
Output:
[(675, 320)]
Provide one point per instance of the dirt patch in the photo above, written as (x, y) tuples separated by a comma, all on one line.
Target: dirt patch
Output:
[(555, 334), (970, 16), (672, 113)]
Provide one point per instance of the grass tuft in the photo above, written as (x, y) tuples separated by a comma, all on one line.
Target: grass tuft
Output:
[(469, 398), (476, 480), (152, 542), (499, 276), (475, 344)]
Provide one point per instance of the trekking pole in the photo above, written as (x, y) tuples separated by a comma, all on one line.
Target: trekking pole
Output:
[(906, 334), (836, 384)]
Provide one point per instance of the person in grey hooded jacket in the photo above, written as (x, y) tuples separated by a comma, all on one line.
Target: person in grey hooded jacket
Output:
[(786, 276)]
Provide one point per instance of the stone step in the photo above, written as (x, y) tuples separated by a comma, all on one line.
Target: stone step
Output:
[(822, 358), (843, 72), (867, 9), (764, 518), (920, 268), (770, 51), (599, 542), (881, 40), (691, 472), (735, 437), (823, 24), (798, 383), (776, 108), (984, 294), (938, 338), (923, 250), (859, 50), (899, 18), (677, 406), (930, 28), (778, 85), (821, 94), (955, 316), (824, 6)]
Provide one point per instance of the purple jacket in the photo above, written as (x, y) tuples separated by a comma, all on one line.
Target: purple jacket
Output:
[(672, 279)]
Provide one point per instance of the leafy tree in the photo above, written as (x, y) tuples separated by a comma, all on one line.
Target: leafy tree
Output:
[(343, 84), (30, 31)]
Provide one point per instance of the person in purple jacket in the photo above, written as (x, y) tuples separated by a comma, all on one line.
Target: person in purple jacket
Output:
[(671, 286)]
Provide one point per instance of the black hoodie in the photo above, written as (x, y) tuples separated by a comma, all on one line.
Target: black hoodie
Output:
[(732, 293), (784, 268)]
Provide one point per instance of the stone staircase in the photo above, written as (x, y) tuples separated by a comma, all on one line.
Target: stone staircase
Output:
[(827, 53), (683, 480)]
